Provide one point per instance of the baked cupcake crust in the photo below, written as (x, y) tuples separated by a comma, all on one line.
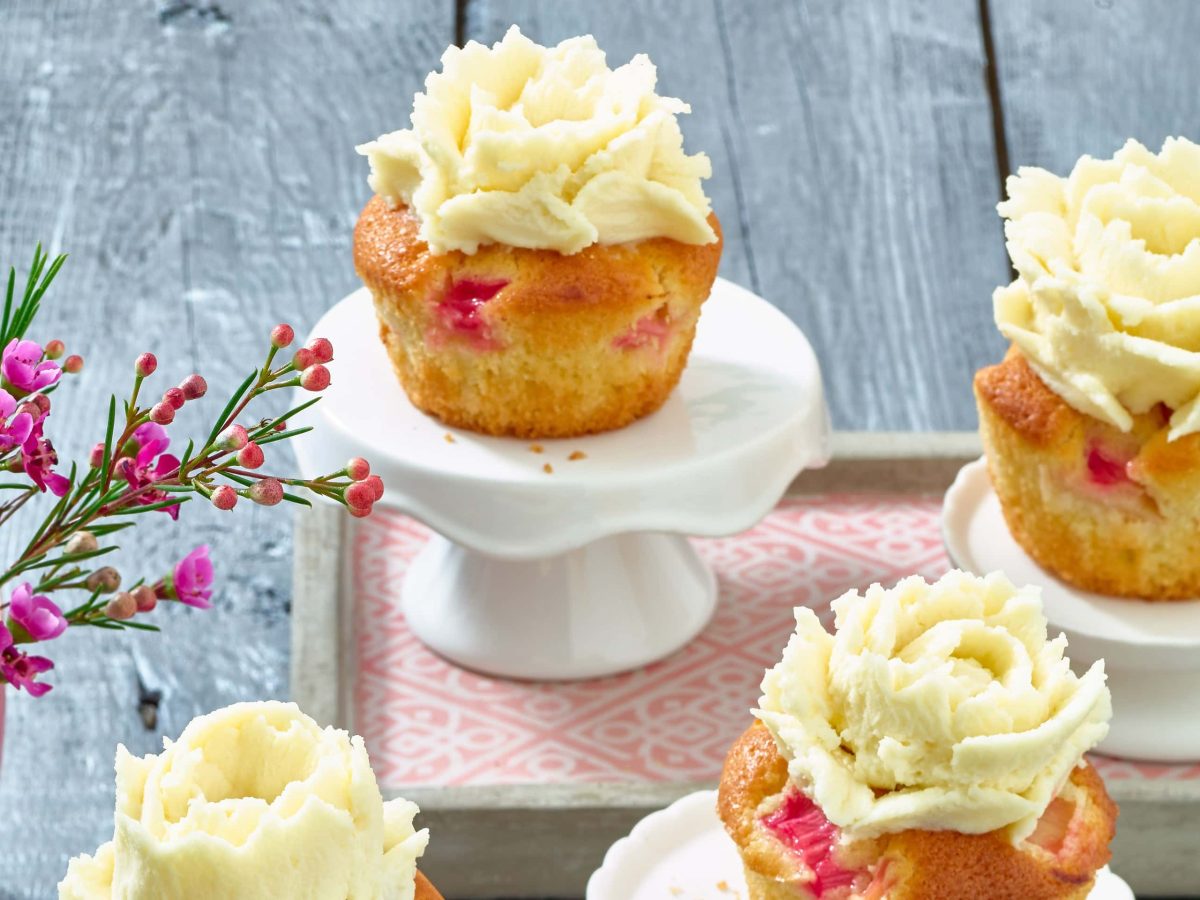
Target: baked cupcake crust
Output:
[(1138, 537), (919, 864), (425, 890), (553, 366)]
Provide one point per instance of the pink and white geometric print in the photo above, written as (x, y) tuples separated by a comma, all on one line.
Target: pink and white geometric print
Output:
[(428, 722)]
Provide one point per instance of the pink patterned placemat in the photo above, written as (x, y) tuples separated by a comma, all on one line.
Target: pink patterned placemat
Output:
[(428, 722)]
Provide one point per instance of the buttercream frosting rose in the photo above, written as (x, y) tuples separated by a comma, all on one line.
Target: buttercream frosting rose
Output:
[(253, 801), (934, 706), (544, 148), (1106, 304)]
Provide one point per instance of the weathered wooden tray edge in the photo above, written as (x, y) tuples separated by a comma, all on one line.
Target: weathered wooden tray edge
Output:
[(1159, 826)]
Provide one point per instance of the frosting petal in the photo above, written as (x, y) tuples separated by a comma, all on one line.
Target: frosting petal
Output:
[(544, 148), (1106, 305), (933, 706)]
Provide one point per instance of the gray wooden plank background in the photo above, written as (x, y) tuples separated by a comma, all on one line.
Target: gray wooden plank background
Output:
[(196, 159)]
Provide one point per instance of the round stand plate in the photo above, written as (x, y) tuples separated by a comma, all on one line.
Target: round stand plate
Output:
[(1146, 646), (683, 851), (564, 594)]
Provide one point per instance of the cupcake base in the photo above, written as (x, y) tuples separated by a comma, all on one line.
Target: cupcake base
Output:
[(1106, 511), (425, 890), (531, 343), (1058, 862)]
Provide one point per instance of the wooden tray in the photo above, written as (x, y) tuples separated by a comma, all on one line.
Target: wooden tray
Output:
[(528, 785)]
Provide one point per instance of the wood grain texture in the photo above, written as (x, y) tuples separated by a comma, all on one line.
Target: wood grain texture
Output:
[(1082, 76), (854, 172), (197, 162)]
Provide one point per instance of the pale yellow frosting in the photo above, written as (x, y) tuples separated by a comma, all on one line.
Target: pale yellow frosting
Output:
[(254, 801), (546, 148), (1106, 305), (934, 706)]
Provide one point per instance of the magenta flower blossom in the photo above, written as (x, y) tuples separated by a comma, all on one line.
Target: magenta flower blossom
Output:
[(24, 367), (20, 669), (38, 459), (150, 465), (39, 616), (16, 432), (191, 582)]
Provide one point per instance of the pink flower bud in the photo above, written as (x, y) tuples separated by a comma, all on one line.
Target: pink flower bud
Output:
[(359, 513), (303, 359), (145, 365), (96, 457), (54, 349), (281, 425), (105, 580), (174, 397), (235, 437), (358, 469), (315, 378), (360, 495), (73, 364), (42, 402), (162, 413), (322, 349), (250, 456), (145, 597), (224, 497), (121, 606), (125, 467), (376, 484), (282, 335), (82, 542), (29, 408), (266, 492), (194, 387)]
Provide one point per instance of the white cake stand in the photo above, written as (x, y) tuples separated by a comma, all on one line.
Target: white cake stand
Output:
[(1151, 651), (581, 571)]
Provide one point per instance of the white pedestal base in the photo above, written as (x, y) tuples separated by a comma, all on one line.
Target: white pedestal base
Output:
[(1154, 715), (614, 604)]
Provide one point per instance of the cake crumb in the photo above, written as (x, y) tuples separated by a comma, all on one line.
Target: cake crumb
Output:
[(536, 448), (448, 438), (577, 455), (723, 886), (548, 469), (676, 890)]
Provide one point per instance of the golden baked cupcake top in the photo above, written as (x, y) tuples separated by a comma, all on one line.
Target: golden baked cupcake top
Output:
[(253, 801), (543, 148), (934, 706), (1106, 303)]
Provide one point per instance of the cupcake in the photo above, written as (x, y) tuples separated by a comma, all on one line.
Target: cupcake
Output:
[(932, 747), (254, 801), (1092, 422), (539, 244)]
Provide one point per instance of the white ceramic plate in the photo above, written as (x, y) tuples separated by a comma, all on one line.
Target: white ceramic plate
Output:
[(683, 853)]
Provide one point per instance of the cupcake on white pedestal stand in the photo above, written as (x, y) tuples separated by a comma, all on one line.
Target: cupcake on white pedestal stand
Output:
[(1151, 651), (573, 562)]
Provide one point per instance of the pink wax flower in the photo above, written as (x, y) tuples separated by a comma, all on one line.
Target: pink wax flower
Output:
[(39, 616), (17, 431), (39, 459), (20, 669), (23, 366), (150, 465), (191, 582)]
